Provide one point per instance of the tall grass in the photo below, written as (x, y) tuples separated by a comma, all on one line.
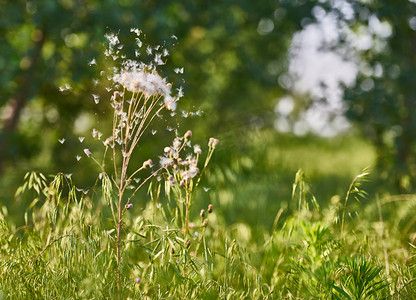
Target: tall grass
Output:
[(67, 249)]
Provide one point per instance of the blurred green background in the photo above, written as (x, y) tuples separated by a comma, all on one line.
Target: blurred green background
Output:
[(236, 57)]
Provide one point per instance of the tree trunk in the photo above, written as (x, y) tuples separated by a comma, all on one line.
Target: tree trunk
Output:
[(26, 88)]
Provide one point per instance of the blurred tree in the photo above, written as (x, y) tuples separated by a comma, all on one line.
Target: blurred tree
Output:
[(232, 53), (379, 38), (384, 100)]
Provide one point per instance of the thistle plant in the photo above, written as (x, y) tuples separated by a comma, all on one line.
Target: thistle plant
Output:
[(139, 95)]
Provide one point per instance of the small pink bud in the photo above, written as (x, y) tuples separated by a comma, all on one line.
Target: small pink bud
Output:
[(213, 142), (205, 223), (210, 208), (202, 213), (137, 280), (87, 152), (128, 206)]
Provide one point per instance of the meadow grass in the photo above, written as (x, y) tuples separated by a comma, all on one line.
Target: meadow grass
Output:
[(67, 249)]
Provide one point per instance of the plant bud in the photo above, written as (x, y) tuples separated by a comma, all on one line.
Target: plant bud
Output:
[(202, 213), (188, 135), (188, 244), (87, 152), (205, 223), (128, 206), (148, 163), (210, 208), (213, 142)]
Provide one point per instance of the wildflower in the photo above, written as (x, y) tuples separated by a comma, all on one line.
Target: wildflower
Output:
[(176, 144), (87, 152), (190, 173), (136, 79), (213, 142), (210, 208), (165, 161), (137, 280), (202, 213), (148, 164), (205, 223), (129, 206), (188, 135), (197, 149)]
